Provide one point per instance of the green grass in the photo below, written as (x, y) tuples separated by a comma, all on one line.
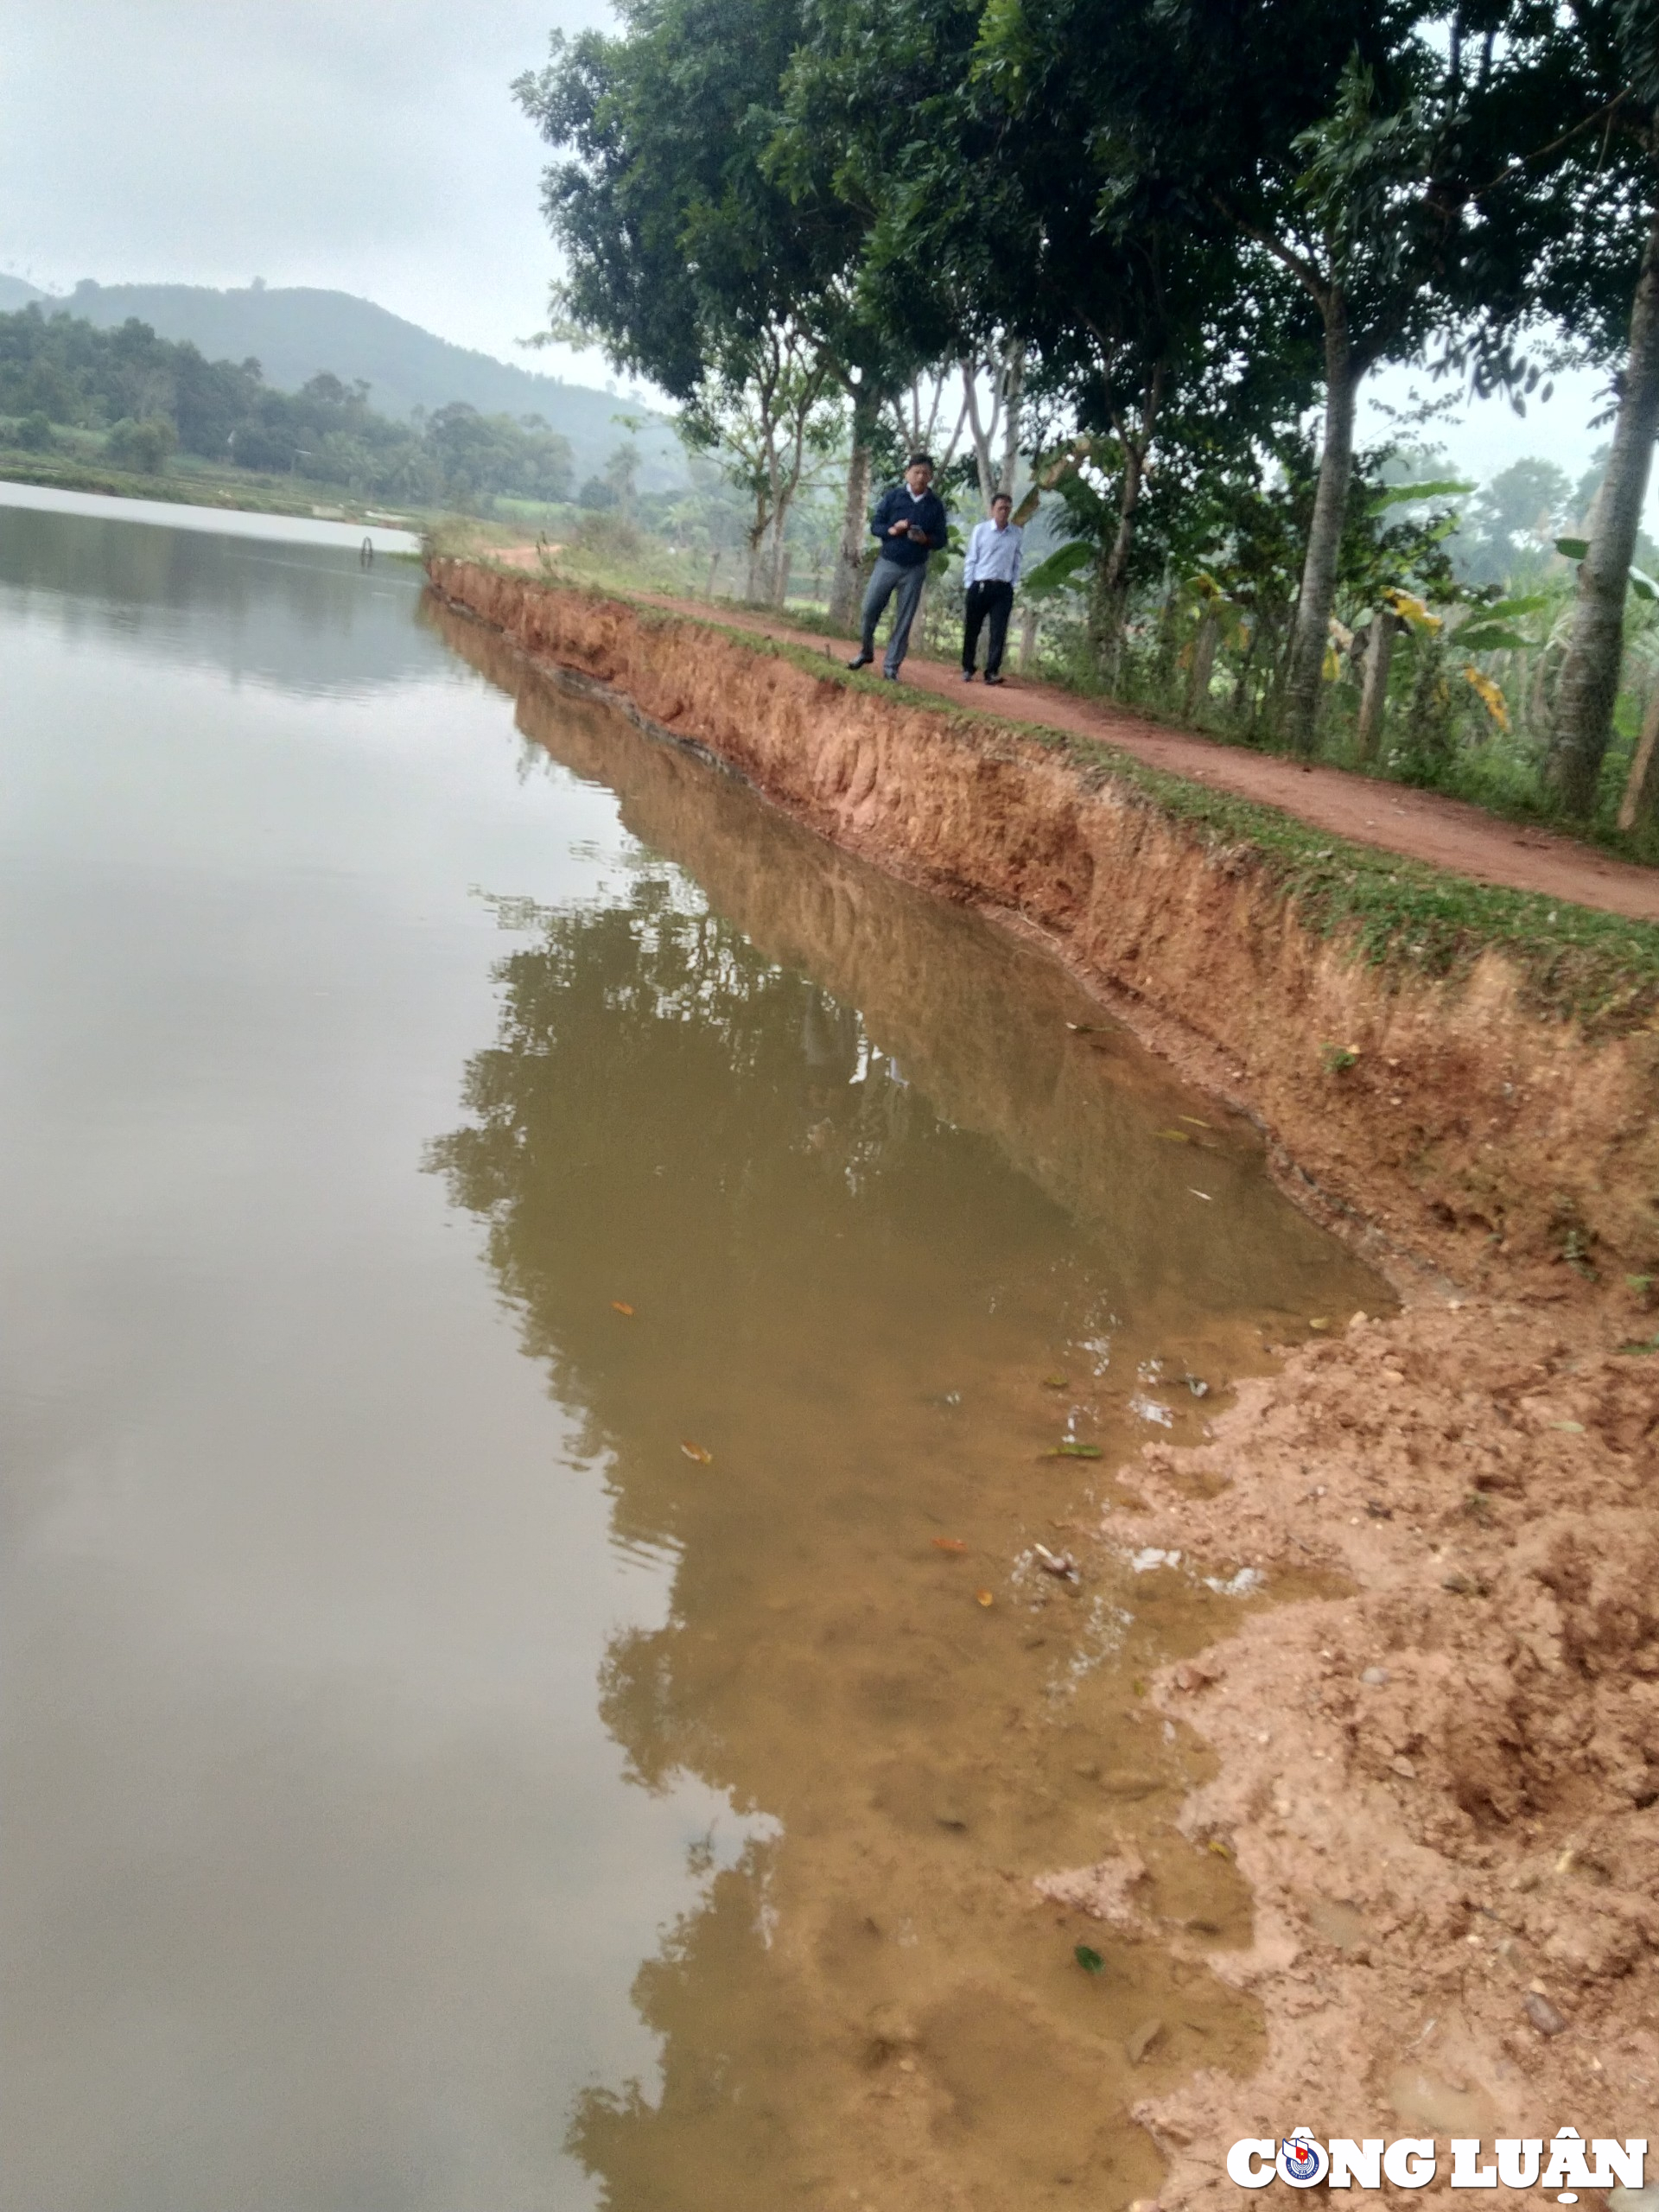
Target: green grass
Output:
[(1401, 915)]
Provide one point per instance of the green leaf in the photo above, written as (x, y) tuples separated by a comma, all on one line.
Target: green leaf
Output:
[(1642, 584), (1399, 495), (1053, 575), (1488, 638), (1501, 610), (1073, 1452), (1090, 1962), (1574, 548)]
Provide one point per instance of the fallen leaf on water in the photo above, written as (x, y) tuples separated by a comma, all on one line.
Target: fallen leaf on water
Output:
[(696, 1452), (949, 1544), (1141, 2041), (984, 1598), (1082, 1028), (1174, 1136), (1571, 1428), (1090, 1962), (1199, 1193), (1057, 1381), (1319, 1324), (1196, 1122), (621, 1305), (1220, 1849), (1069, 1450)]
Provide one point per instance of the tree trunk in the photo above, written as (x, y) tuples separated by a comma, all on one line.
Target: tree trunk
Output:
[(776, 568), (1642, 786), (1030, 622), (1010, 393), (1378, 654), (1204, 665), (1013, 402), (981, 433), (1318, 595), (1595, 648), (1110, 609), (855, 516)]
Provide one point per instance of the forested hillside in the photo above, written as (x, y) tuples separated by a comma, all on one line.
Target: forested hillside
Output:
[(296, 333), (145, 397)]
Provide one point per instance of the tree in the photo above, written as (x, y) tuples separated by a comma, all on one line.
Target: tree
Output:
[(143, 446), (770, 418), (1010, 228), (1513, 521), (1348, 145), (692, 261), (1598, 272)]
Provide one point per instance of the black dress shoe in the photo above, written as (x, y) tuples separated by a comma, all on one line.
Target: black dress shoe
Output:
[(967, 676), (993, 679), (861, 660), (891, 675)]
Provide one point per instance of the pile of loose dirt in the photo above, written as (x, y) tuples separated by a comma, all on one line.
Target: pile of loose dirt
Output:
[(1443, 1782)]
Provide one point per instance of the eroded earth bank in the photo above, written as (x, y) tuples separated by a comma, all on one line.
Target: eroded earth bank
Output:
[(1438, 1769)]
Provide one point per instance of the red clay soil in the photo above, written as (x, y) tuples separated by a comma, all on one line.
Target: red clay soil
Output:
[(1441, 1781), (1438, 1768), (1447, 833)]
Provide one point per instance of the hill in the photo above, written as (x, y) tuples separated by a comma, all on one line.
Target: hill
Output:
[(298, 333), (14, 294)]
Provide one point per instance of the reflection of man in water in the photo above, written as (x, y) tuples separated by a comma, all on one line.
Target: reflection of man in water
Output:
[(829, 1048), (857, 1103)]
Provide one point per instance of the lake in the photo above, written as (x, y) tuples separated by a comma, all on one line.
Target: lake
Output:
[(544, 1315)]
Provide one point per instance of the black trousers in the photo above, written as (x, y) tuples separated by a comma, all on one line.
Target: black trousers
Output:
[(995, 600)]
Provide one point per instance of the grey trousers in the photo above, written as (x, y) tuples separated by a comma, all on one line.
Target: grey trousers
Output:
[(885, 578)]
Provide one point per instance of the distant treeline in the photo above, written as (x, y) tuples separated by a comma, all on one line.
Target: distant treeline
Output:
[(146, 397)]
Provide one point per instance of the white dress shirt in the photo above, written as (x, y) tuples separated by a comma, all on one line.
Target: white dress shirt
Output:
[(993, 555)]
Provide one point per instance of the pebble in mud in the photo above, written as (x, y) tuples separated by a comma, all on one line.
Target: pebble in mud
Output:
[(1543, 2015)]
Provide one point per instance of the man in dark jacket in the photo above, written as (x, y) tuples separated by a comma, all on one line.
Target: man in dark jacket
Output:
[(909, 524)]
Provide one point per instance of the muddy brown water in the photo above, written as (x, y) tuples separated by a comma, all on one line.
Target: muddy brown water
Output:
[(427, 1783)]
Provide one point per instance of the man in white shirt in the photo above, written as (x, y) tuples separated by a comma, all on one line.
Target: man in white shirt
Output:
[(990, 574)]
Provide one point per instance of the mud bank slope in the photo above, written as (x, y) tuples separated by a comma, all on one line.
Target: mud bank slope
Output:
[(1455, 1118), (1443, 1787), (1444, 1784)]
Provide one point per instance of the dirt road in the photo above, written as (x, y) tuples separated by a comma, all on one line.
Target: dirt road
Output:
[(1422, 825)]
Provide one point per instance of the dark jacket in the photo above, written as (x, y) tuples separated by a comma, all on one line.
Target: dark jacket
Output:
[(897, 505)]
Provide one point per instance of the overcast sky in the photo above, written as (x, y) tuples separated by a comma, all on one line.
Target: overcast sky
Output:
[(375, 148), (371, 146)]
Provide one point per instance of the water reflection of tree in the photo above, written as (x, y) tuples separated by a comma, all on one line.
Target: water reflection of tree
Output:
[(820, 1247), (669, 1118), (699, 2144)]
